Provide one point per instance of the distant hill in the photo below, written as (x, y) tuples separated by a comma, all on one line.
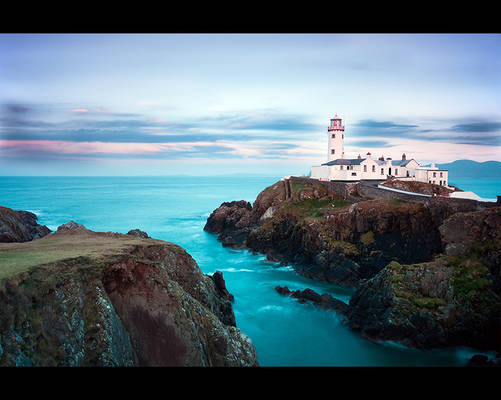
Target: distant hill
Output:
[(472, 169)]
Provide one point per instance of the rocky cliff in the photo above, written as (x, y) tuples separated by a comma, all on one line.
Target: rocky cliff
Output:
[(83, 298), (340, 234), (453, 300), (19, 226), (427, 270)]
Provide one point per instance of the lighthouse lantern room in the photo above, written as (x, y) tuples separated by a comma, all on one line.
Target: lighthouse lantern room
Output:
[(336, 138)]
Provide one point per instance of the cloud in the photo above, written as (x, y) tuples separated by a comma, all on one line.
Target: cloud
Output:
[(481, 126), (369, 123)]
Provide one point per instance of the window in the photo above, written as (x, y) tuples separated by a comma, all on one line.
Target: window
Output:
[(373, 168), (333, 151), (343, 135), (353, 174), (333, 135), (382, 171), (440, 175), (341, 167), (396, 171), (365, 168), (434, 174)]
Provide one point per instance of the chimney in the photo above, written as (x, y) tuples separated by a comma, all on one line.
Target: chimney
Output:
[(404, 157), (369, 155), (381, 158), (359, 157)]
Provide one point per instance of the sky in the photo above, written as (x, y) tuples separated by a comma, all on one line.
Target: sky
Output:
[(242, 104)]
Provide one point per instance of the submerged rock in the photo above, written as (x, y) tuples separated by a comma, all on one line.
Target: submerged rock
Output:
[(325, 301)]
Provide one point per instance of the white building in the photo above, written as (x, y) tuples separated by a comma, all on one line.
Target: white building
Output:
[(339, 168)]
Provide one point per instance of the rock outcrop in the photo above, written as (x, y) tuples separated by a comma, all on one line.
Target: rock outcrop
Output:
[(334, 232), (418, 187), (325, 301), (20, 226), (108, 299), (426, 270), (454, 300)]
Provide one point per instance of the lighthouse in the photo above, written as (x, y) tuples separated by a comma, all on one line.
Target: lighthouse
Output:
[(336, 138)]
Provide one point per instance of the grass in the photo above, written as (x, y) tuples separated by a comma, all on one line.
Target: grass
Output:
[(469, 278), (20, 257), (315, 207), (431, 303)]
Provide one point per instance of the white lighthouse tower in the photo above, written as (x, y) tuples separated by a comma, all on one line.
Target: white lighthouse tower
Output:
[(336, 138)]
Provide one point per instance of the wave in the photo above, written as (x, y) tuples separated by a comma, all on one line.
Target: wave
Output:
[(270, 308)]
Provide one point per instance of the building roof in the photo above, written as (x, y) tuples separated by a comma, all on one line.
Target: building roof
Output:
[(345, 161), (402, 163)]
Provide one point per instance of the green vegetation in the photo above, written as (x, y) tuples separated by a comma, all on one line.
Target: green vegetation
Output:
[(431, 303), (397, 202), (20, 257), (347, 247), (469, 277), (315, 207), (367, 238)]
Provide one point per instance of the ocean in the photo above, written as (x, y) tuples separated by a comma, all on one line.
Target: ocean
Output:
[(175, 209)]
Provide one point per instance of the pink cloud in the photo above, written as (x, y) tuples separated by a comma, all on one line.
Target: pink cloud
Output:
[(65, 147), (80, 110)]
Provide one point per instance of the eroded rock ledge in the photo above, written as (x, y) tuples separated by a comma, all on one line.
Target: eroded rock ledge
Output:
[(426, 270), (107, 299)]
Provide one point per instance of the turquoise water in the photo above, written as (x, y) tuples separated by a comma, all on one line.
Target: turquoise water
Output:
[(486, 188), (284, 332)]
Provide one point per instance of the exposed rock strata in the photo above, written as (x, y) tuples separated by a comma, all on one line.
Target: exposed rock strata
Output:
[(121, 300), (20, 226), (333, 232), (453, 300), (427, 270)]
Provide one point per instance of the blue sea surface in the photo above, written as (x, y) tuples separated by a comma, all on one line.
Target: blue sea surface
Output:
[(485, 188), (175, 209)]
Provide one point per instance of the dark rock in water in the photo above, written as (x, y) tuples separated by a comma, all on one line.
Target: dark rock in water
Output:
[(325, 301), (20, 226), (138, 233), (479, 360), (108, 299), (231, 222), (283, 290), (225, 312)]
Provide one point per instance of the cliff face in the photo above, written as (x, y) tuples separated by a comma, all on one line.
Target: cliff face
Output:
[(427, 270), (19, 226), (104, 299), (453, 300), (335, 233)]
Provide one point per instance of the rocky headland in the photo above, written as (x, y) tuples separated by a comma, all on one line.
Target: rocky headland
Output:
[(426, 269), (20, 226), (83, 298)]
